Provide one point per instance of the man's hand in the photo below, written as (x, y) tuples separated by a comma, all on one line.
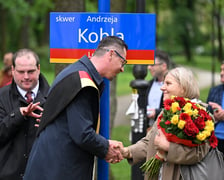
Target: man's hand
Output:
[(114, 152), (218, 111), (37, 122), (28, 111)]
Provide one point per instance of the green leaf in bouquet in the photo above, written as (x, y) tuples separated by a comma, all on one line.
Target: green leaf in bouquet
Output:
[(177, 131), (180, 135), (169, 129), (175, 128), (169, 113), (162, 124)]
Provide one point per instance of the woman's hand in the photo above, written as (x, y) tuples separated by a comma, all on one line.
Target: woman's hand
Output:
[(126, 153), (161, 142)]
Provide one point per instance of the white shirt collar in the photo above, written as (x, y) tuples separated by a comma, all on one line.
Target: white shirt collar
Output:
[(34, 91)]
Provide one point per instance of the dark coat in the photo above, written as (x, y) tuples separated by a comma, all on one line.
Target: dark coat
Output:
[(67, 143), (17, 133)]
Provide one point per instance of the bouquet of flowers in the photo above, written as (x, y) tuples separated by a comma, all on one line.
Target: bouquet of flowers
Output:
[(184, 122)]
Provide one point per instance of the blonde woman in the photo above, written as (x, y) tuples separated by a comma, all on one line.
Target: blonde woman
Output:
[(178, 82)]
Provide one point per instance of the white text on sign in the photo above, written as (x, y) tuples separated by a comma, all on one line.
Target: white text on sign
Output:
[(93, 37)]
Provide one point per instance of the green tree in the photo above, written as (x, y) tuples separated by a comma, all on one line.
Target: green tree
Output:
[(184, 23), (217, 16), (19, 19)]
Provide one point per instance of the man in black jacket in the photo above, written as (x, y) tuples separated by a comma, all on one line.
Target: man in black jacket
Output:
[(18, 117), (154, 94)]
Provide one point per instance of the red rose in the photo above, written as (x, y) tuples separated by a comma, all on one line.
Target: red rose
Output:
[(191, 129), (194, 106), (213, 141), (181, 101), (204, 114), (167, 122), (208, 117), (185, 117), (200, 123), (167, 104)]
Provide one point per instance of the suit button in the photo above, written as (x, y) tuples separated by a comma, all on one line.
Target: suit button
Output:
[(12, 114)]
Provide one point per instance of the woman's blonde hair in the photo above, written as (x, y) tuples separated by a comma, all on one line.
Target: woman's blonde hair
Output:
[(187, 81)]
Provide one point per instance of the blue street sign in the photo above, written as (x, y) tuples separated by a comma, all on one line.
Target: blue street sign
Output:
[(85, 30)]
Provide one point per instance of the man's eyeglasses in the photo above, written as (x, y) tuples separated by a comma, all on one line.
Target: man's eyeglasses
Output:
[(124, 61)]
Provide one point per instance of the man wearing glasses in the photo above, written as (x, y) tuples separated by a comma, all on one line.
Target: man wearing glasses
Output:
[(67, 138), (154, 94)]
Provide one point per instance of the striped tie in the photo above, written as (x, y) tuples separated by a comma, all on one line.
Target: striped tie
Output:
[(28, 96)]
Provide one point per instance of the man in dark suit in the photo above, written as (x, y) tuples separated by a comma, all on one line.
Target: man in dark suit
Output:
[(18, 113), (154, 94), (216, 102), (67, 137)]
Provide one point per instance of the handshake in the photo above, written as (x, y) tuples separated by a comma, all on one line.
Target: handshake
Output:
[(117, 152)]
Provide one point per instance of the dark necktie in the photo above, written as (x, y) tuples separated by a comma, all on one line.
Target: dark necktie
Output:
[(29, 98)]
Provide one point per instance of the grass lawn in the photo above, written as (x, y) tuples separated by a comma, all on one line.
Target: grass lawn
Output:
[(202, 62), (122, 170)]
